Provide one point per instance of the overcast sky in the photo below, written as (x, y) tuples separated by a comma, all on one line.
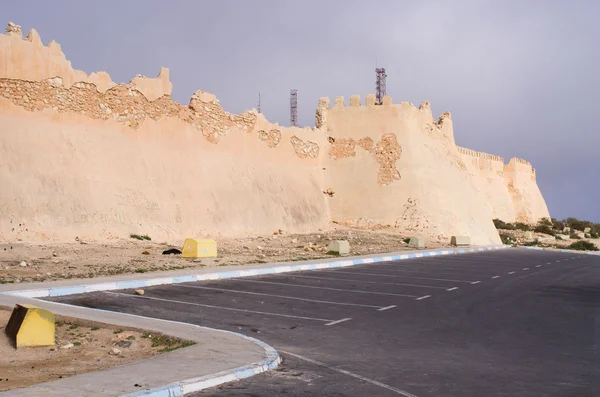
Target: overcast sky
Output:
[(521, 77)]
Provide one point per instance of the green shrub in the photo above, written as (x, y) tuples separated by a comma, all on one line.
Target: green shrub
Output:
[(577, 224), (522, 226), (594, 235), (543, 229), (500, 224), (575, 236), (583, 246), (138, 237)]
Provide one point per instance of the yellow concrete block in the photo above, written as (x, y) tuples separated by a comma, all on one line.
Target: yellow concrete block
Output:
[(199, 248), (31, 326)]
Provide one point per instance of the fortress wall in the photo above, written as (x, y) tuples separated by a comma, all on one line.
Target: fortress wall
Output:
[(487, 172), (79, 160), (81, 156), (393, 164), (528, 202)]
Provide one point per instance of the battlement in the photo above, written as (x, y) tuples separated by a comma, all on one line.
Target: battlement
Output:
[(29, 59), (340, 102), (481, 155)]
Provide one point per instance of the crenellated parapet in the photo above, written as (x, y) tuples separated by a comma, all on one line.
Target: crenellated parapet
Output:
[(480, 155)]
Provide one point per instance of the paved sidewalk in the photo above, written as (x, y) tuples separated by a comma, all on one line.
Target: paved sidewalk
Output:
[(219, 356)]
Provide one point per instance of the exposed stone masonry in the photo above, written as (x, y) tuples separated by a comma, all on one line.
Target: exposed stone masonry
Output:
[(304, 149), (273, 137), (386, 153), (124, 104)]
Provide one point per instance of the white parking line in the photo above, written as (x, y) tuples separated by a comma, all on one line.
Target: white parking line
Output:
[(548, 263), (557, 261), (423, 297), (326, 288), (386, 308), (218, 307), (511, 272), (452, 289), (437, 270), (339, 321), (279, 296), (496, 277), (352, 280), (391, 275), (525, 268), (538, 265), (343, 371), (475, 282)]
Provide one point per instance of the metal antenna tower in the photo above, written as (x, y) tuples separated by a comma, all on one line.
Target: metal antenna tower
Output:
[(294, 108), (380, 84)]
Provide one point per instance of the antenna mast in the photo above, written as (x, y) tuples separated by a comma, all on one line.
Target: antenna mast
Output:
[(294, 107), (380, 84)]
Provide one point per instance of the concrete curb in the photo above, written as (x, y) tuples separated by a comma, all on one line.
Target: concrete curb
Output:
[(191, 385), (132, 284), (187, 386), (597, 253)]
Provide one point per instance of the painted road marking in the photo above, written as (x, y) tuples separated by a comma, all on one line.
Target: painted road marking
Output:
[(496, 277), (279, 296), (511, 272), (525, 268), (548, 263), (343, 371), (386, 308), (339, 321), (327, 288), (475, 282), (423, 297), (234, 309), (437, 270), (452, 289), (557, 261), (352, 280), (538, 265), (391, 275)]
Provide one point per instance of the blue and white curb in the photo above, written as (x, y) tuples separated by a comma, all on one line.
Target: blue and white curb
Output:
[(132, 284), (193, 385)]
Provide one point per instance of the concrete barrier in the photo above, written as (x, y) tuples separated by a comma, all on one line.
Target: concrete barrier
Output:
[(30, 326), (342, 247), (416, 242), (458, 241), (199, 248)]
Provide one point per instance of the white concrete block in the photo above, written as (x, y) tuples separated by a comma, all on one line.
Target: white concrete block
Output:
[(460, 241), (342, 247)]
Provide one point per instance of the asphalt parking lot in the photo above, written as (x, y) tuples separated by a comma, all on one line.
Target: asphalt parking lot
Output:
[(500, 323)]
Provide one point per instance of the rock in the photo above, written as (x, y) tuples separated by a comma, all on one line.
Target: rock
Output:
[(245, 247), (172, 251), (23, 264), (260, 248), (114, 351), (294, 240), (54, 254), (67, 346), (123, 343), (145, 253), (139, 292), (262, 256)]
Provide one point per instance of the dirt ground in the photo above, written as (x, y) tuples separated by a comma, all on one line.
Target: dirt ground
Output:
[(79, 349), (23, 262)]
